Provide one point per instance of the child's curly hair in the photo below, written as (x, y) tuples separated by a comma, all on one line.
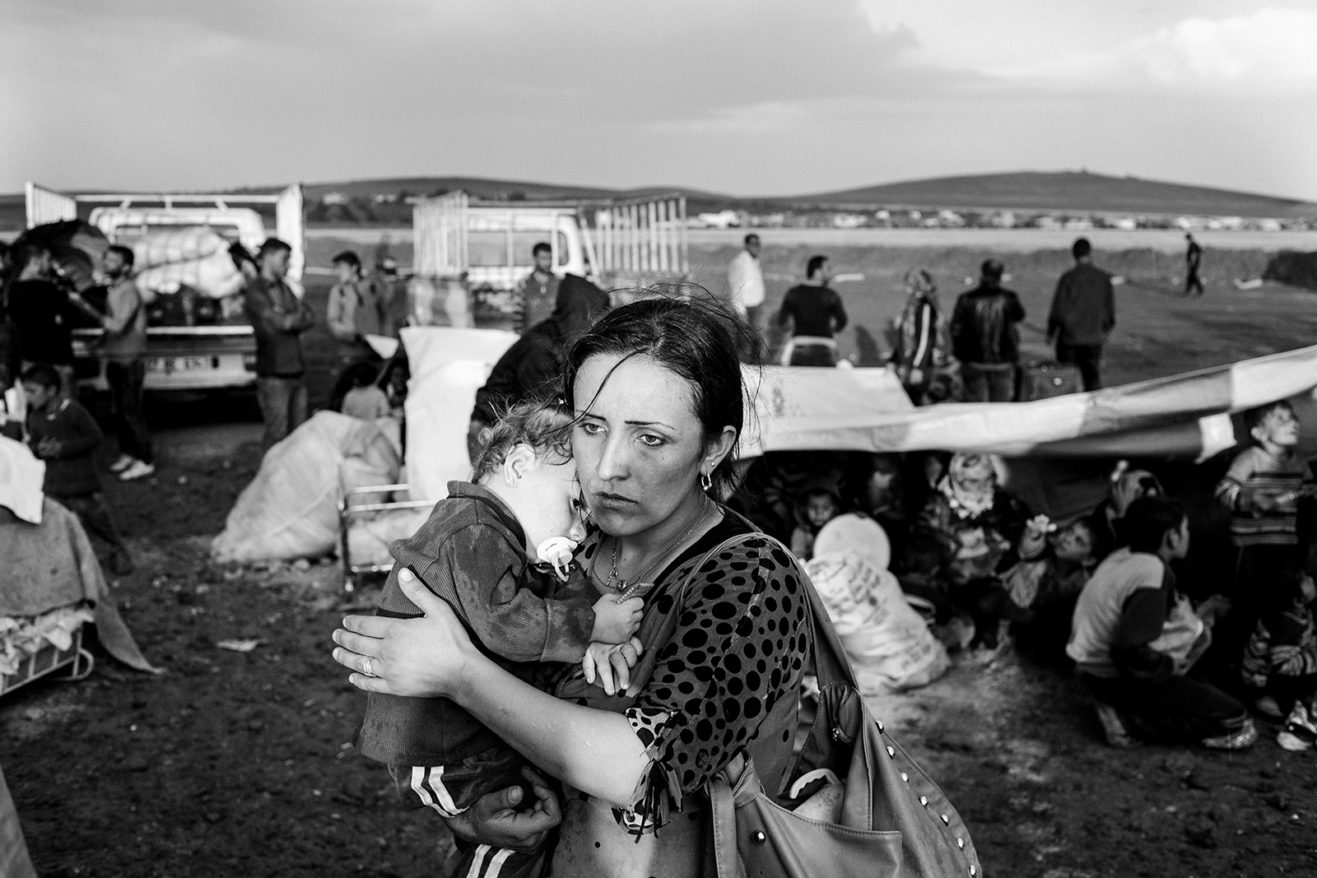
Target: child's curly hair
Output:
[(544, 426)]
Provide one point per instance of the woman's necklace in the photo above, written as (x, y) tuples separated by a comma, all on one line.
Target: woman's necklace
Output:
[(621, 584)]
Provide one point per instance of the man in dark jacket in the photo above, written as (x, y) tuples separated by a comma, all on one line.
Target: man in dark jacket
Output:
[(279, 318), (42, 315), (985, 338), (1083, 313), (532, 367)]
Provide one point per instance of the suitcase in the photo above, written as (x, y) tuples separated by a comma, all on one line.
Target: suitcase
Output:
[(1047, 379)]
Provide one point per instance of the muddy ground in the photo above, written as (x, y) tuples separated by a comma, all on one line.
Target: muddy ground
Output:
[(239, 763)]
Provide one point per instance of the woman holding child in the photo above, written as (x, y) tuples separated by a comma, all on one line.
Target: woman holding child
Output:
[(658, 400)]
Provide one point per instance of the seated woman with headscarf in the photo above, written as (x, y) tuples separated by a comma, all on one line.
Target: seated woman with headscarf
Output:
[(968, 532)]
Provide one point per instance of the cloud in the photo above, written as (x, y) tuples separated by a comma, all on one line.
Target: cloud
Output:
[(1266, 54)]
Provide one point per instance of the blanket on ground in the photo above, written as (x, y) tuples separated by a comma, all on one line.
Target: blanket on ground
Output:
[(52, 564)]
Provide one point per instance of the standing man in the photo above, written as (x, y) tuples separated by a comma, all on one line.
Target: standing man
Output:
[(538, 291), (357, 307), (812, 314), (279, 318), (745, 280), (1193, 260), (41, 313), (1083, 314), (985, 338), (122, 346)]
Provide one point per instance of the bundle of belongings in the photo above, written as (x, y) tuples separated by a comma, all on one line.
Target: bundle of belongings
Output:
[(195, 257), (888, 642), (190, 277), (291, 508), (53, 582)]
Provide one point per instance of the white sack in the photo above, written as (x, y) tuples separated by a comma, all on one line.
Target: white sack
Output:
[(194, 257), (889, 644), (447, 367), (290, 510)]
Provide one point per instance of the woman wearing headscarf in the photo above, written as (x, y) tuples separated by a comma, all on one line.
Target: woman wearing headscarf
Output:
[(920, 333), (968, 532)]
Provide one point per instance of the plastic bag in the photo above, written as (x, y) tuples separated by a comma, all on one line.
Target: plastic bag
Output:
[(290, 509)]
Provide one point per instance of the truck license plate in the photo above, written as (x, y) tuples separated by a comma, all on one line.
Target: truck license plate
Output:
[(170, 365)]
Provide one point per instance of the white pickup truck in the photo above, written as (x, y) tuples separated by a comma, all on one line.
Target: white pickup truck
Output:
[(470, 255), (203, 348)]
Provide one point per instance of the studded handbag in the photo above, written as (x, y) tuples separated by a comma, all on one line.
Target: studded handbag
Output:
[(882, 814)]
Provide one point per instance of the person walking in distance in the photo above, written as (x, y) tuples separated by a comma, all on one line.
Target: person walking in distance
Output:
[(1193, 260), (985, 337), (745, 281), (279, 318), (1083, 314), (812, 314)]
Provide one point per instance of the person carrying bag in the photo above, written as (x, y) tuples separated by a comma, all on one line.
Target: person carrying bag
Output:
[(862, 806)]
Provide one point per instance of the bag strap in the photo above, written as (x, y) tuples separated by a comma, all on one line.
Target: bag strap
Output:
[(722, 808)]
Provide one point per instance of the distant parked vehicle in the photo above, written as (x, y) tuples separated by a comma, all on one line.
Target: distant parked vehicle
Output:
[(197, 335), (471, 255)]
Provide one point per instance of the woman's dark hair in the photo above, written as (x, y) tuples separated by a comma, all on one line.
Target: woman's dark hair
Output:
[(686, 337), (1145, 524)]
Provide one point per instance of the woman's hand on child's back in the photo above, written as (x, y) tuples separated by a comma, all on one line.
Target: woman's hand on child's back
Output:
[(424, 656), (615, 619)]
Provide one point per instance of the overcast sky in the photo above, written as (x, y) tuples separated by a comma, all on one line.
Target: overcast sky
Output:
[(740, 96)]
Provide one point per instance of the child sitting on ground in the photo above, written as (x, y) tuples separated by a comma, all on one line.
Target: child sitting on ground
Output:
[(1042, 589), (1261, 489), (1135, 639), (818, 502), (1280, 665), (478, 552), (365, 400), (63, 434)]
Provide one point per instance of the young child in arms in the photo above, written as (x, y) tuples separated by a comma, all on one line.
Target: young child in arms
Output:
[(495, 550)]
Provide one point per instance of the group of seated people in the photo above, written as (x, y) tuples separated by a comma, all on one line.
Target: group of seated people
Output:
[(1096, 594)]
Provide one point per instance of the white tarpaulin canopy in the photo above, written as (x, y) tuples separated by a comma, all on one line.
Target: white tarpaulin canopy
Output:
[(796, 408)]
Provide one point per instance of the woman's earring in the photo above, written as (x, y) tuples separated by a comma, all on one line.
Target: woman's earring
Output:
[(706, 481)]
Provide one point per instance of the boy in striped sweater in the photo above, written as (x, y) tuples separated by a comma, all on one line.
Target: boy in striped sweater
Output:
[(1262, 489)]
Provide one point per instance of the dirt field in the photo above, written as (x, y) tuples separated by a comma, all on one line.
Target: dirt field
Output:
[(239, 763)]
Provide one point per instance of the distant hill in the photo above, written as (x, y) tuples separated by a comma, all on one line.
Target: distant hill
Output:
[(483, 187), (1033, 191), (1065, 191)]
